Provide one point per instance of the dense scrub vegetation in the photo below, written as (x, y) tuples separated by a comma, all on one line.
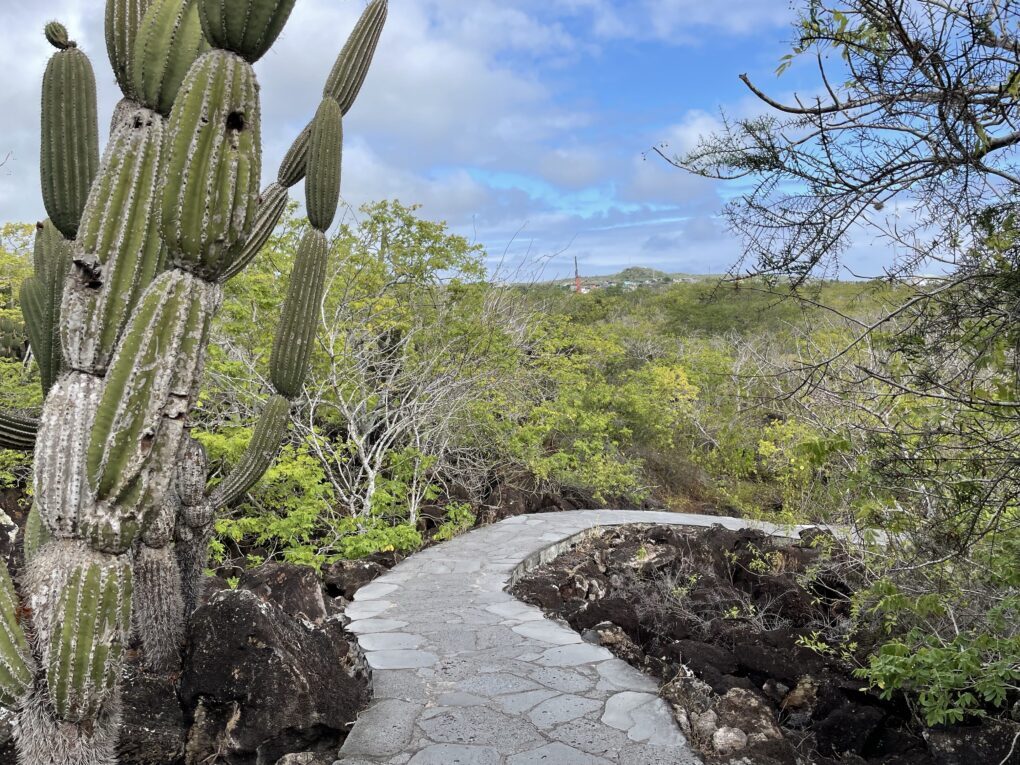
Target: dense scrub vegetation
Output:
[(434, 391)]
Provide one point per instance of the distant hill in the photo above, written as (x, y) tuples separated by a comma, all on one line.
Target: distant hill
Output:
[(638, 274), (632, 278)]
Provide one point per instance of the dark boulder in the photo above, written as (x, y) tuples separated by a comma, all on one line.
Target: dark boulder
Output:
[(617, 610), (848, 729), (295, 589), (990, 741), (262, 683), (346, 577), (542, 594), (154, 730)]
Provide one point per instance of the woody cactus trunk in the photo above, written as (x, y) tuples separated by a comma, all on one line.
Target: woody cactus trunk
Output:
[(128, 277)]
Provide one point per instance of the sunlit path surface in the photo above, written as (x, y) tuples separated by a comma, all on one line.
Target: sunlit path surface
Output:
[(465, 674)]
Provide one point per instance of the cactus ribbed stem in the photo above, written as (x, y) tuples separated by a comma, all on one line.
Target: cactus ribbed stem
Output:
[(213, 164), (16, 663), (194, 524), (158, 607), (41, 299), (292, 169), (119, 232), (325, 160), (36, 533), (153, 377), (343, 85), (59, 471), (352, 65), (17, 431), (246, 27), (123, 20), (169, 41), (94, 609), (295, 336), (70, 137), (259, 454)]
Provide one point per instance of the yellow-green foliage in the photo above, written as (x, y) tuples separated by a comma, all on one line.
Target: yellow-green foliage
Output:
[(19, 384)]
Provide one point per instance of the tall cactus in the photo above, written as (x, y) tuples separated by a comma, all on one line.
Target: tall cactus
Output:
[(128, 275)]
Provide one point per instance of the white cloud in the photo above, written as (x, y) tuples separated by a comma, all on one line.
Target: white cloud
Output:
[(679, 20), (460, 92)]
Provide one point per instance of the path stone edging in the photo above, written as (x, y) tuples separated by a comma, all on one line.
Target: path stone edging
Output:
[(465, 674)]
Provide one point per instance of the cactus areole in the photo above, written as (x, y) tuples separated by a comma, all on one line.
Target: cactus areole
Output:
[(129, 267)]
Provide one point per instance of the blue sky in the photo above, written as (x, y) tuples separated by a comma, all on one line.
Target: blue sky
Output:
[(523, 123)]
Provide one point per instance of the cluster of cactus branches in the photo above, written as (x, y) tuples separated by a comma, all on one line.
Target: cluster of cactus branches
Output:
[(129, 269)]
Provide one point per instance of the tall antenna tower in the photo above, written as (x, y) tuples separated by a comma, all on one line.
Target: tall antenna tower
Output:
[(577, 278)]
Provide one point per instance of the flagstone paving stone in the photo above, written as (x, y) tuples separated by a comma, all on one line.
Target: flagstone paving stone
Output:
[(464, 674)]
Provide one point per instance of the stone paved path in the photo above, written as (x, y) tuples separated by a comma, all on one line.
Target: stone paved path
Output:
[(465, 674)]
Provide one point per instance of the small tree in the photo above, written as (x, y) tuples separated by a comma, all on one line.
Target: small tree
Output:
[(914, 136)]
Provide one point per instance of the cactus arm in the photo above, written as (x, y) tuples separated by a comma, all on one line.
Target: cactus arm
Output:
[(41, 301), (16, 663), (70, 132), (245, 27), (325, 159), (169, 40), (17, 431), (292, 348), (123, 20), (272, 203), (292, 169), (343, 85), (213, 149), (351, 67), (258, 456)]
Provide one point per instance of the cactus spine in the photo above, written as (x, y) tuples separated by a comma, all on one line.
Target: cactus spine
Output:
[(127, 282)]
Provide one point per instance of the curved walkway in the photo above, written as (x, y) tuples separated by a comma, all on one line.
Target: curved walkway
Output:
[(465, 674)]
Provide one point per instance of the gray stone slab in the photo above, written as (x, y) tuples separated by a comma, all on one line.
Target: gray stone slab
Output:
[(561, 709), (618, 675), (400, 659), (461, 699), (456, 754), (556, 754), (643, 717), (519, 703), (546, 631), (498, 684), (366, 609), (389, 641), (375, 591), (479, 726), (574, 655), (591, 736), (371, 626), (382, 730)]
